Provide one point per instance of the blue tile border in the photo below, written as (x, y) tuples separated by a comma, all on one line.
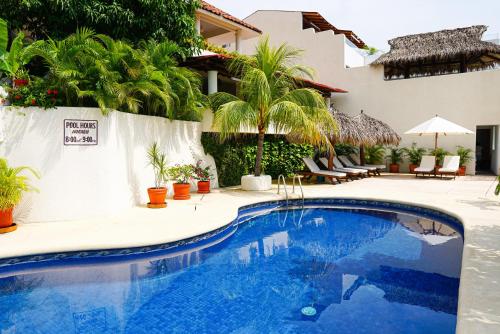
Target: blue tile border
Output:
[(244, 214)]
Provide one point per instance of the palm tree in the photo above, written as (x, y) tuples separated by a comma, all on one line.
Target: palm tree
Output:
[(112, 74), (270, 97)]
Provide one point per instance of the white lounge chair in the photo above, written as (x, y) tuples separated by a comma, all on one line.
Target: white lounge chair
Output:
[(451, 165), (314, 170), (351, 172), (347, 163), (357, 161), (427, 165)]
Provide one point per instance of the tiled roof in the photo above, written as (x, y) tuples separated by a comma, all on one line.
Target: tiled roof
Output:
[(218, 62), (319, 23), (219, 12)]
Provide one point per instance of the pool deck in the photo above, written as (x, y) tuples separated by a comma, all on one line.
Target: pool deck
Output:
[(471, 199)]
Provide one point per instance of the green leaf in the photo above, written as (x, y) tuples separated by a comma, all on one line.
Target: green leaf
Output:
[(4, 36)]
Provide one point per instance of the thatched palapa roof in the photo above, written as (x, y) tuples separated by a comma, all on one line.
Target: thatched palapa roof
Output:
[(445, 51), (377, 131), (349, 130)]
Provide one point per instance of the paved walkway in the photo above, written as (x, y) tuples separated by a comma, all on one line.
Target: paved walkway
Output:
[(469, 198)]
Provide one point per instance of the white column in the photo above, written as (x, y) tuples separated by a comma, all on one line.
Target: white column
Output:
[(198, 25), (237, 39), (212, 82)]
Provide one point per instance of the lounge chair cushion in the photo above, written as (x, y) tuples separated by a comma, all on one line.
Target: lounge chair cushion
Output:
[(324, 161), (349, 164), (451, 164), (427, 164), (313, 167)]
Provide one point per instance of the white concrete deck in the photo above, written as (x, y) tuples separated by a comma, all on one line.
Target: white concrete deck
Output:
[(469, 198)]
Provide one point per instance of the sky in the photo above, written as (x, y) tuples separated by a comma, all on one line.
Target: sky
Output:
[(377, 21)]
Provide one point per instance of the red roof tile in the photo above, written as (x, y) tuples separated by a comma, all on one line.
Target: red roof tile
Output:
[(219, 12)]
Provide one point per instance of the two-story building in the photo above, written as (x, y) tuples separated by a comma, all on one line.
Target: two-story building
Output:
[(451, 73)]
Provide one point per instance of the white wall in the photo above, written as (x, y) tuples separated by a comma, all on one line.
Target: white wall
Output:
[(88, 181), (469, 99)]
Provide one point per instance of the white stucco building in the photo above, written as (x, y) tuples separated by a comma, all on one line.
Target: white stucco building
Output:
[(471, 99)]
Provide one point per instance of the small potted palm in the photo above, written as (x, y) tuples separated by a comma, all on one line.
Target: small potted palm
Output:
[(203, 175), (465, 155), (181, 174), (414, 155), (439, 153), (12, 187), (158, 161), (395, 156)]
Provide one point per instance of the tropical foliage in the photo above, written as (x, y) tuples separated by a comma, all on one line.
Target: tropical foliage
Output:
[(90, 69), (465, 155), (395, 155), (37, 92), (414, 153), (202, 173), (121, 19), (12, 60), (181, 173), (235, 157), (268, 97), (158, 160), (345, 149), (374, 154), (439, 153), (13, 184)]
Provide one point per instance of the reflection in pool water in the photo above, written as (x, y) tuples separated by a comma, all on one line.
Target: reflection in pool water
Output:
[(361, 271)]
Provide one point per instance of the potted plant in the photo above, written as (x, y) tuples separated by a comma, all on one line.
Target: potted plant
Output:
[(414, 154), (270, 95), (12, 187), (181, 174), (203, 175), (395, 156), (158, 161), (465, 155), (374, 154), (439, 153)]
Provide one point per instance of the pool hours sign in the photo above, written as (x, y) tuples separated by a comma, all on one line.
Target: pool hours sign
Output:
[(80, 132)]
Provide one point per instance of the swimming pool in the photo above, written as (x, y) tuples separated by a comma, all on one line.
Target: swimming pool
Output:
[(331, 266)]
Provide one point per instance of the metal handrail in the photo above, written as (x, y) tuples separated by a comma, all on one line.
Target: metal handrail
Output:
[(298, 177), (282, 177)]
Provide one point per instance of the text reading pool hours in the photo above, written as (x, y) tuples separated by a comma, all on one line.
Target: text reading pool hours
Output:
[(80, 132)]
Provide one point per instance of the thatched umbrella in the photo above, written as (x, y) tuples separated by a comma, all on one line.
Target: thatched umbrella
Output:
[(378, 133), (349, 131), (446, 51)]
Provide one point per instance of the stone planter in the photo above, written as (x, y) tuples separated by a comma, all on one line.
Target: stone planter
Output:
[(256, 183)]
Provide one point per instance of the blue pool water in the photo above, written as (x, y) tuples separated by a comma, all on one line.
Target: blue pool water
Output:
[(309, 270)]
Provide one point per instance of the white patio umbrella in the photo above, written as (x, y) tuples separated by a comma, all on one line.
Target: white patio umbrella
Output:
[(438, 126)]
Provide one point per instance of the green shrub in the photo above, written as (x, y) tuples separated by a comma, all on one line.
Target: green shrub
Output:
[(465, 155), (236, 157), (414, 153), (374, 154), (121, 19), (439, 153), (345, 149)]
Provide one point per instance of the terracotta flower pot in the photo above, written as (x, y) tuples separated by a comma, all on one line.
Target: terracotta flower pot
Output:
[(203, 187), (394, 168), (20, 82), (6, 218), (462, 170), (157, 195), (181, 191), (412, 168)]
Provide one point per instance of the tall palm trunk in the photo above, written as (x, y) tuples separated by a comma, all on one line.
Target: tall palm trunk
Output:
[(260, 149)]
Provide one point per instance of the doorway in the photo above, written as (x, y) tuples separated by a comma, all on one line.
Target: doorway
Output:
[(484, 141)]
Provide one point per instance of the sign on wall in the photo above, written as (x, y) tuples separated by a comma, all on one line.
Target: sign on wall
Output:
[(80, 132)]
